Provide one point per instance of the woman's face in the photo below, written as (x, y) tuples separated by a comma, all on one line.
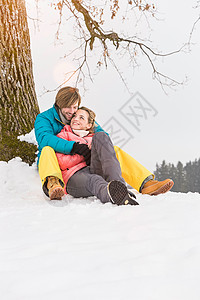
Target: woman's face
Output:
[(79, 120)]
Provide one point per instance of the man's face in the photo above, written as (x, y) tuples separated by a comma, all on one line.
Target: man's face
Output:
[(69, 111)]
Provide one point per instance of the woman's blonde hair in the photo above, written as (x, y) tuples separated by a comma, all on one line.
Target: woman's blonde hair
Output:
[(91, 118)]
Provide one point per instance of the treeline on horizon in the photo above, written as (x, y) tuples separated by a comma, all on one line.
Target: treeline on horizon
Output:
[(186, 177)]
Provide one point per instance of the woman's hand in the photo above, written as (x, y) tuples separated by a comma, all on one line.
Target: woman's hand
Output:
[(82, 149)]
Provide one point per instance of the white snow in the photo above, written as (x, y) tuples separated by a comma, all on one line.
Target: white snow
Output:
[(82, 249), (29, 137)]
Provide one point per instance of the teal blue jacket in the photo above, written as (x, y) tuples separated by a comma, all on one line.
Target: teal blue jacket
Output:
[(47, 126)]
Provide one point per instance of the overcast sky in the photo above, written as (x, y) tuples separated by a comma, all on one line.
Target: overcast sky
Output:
[(148, 124)]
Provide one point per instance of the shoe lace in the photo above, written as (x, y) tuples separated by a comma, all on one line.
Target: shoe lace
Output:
[(150, 182), (52, 180), (153, 181)]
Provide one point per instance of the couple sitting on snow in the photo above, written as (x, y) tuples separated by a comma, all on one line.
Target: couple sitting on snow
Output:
[(77, 157)]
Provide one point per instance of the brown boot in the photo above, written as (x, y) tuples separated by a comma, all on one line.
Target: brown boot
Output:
[(55, 189), (155, 187)]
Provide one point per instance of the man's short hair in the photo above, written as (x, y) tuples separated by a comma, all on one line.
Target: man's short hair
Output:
[(67, 96)]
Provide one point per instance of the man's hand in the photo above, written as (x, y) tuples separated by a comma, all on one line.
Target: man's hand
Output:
[(82, 149)]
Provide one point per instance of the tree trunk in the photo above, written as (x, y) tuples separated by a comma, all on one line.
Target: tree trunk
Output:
[(18, 103)]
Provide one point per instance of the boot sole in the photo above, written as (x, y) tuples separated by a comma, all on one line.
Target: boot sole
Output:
[(117, 192), (163, 189), (57, 194)]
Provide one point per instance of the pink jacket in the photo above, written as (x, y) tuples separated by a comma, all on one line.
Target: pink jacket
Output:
[(69, 164)]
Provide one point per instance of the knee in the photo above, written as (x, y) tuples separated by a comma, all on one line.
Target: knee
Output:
[(100, 136)]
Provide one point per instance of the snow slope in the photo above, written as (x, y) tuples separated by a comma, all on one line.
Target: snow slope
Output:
[(82, 249)]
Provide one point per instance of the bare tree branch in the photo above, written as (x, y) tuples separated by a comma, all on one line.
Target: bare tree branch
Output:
[(91, 31)]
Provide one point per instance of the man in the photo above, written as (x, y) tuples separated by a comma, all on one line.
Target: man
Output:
[(49, 123)]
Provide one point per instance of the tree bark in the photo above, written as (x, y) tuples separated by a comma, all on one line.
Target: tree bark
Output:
[(18, 102)]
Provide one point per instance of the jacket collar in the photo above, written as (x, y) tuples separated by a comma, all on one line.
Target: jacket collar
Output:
[(56, 115), (61, 118)]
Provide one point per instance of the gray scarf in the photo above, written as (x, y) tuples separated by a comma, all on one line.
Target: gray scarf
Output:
[(63, 119)]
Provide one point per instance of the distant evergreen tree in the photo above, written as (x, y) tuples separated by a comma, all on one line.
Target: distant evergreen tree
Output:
[(173, 175), (162, 171), (186, 178), (196, 174), (189, 176), (180, 178)]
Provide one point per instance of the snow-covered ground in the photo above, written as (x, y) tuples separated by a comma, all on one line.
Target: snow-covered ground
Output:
[(82, 249)]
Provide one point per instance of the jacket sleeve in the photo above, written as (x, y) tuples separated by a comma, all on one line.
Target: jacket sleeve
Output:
[(45, 136), (68, 161)]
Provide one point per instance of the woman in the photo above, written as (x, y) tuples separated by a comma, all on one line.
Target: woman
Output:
[(103, 177)]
